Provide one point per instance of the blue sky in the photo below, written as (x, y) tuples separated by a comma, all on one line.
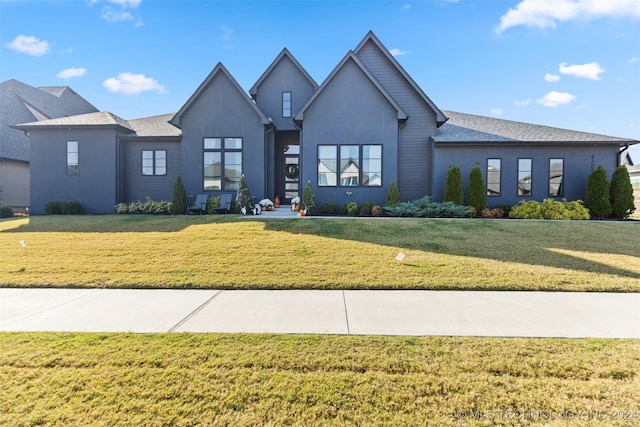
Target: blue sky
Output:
[(573, 64)]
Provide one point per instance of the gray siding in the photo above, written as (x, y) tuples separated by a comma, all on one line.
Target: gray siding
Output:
[(285, 77), (221, 111), (414, 150), (579, 162), (14, 184), (350, 110), (137, 186), (94, 187)]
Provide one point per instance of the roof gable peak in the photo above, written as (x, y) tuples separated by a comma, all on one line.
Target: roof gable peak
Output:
[(284, 53)]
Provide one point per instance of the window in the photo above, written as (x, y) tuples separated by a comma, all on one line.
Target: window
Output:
[(72, 158), (556, 174), (359, 165), (493, 177), (154, 162), (524, 177), (222, 163), (286, 104)]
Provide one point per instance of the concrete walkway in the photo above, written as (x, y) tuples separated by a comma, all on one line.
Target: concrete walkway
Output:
[(505, 314)]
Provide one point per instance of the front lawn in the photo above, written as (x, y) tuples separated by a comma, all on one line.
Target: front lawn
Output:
[(249, 380), (231, 252)]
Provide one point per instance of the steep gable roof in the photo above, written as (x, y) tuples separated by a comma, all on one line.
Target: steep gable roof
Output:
[(218, 69), (350, 56), (21, 103), (155, 126), (463, 127), (371, 37), (283, 54)]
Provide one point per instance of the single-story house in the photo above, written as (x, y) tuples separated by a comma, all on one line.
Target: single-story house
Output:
[(366, 125), (21, 103)]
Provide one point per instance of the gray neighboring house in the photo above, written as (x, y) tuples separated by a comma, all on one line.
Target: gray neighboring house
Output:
[(20, 103), (366, 125)]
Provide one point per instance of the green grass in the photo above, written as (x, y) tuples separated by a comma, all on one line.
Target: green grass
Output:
[(236, 380), (228, 252)]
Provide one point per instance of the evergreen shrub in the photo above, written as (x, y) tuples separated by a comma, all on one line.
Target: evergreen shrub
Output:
[(329, 208), (365, 208), (621, 193), (180, 201), (453, 186), (597, 198), (349, 208), (550, 209), (308, 199), (63, 208), (5, 211), (244, 199), (476, 191), (393, 194)]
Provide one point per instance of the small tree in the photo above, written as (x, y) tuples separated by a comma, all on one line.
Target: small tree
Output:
[(597, 197), (476, 191), (621, 193), (453, 186), (244, 199), (180, 201), (393, 194), (308, 199)]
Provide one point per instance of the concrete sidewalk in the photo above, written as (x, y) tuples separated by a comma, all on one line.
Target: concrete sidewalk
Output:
[(461, 313)]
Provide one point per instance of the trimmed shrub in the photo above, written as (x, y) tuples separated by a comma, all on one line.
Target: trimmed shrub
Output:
[(63, 208), (180, 200), (550, 209), (149, 207), (212, 203), (329, 208), (365, 208), (308, 199), (505, 209), (349, 208), (621, 193), (425, 208), (5, 211), (377, 210), (453, 186), (244, 199), (393, 194), (597, 198), (476, 191)]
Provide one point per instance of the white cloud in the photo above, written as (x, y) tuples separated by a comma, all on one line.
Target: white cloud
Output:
[(547, 13), (29, 45), (496, 111), (406, 6), (227, 32), (589, 71), (71, 72), (551, 78), (554, 99), (523, 102), (634, 59), (112, 16), (398, 52), (122, 3), (133, 84)]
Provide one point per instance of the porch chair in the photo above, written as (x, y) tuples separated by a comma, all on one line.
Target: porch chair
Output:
[(225, 203), (200, 205)]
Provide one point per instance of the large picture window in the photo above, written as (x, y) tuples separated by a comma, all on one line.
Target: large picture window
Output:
[(525, 175), (222, 163), (350, 165), (493, 177), (154, 162), (72, 158), (556, 177)]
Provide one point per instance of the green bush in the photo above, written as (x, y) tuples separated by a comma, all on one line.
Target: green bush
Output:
[(180, 200), (5, 211), (244, 199), (621, 193), (476, 191), (550, 209), (393, 194), (425, 208), (453, 186), (365, 208), (212, 203), (597, 198), (63, 208), (149, 207), (505, 209), (308, 199), (349, 208), (329, 208)]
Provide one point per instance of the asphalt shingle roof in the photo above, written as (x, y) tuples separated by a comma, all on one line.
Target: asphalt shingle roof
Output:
[(101, 118), (155, 126), (463, 127)]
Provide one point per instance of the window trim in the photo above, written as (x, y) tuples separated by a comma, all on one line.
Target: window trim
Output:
[(499, 193), (222, 151), (561, 185), (154, 162), (287, 111), (338, 165), (519, 171), (76, 166)]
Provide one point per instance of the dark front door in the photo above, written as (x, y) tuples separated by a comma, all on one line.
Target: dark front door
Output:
[(287, 168)]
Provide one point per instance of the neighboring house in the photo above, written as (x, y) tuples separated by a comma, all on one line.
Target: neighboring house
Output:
[(634, 176), (366, 125), (20, 103)]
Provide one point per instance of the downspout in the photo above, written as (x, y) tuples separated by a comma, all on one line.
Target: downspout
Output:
[(271, 128)]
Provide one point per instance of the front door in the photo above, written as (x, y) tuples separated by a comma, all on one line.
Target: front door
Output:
[(287, 166)]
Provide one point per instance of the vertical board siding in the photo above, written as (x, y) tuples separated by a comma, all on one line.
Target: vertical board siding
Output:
[(138, 187), (414, 147)]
